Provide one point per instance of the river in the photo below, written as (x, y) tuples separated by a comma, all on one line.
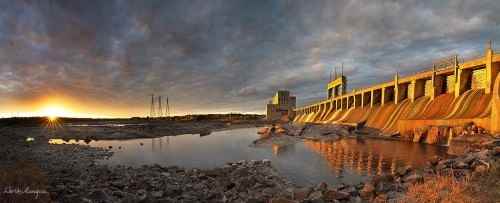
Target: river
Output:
[(348, 161)]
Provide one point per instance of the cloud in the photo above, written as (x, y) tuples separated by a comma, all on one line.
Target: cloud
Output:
[(224, 55)]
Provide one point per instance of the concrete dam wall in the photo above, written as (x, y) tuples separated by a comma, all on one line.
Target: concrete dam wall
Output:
[(453, 95)]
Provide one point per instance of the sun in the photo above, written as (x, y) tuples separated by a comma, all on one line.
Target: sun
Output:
[(54, 111)]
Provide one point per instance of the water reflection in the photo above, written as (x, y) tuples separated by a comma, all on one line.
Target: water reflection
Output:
[(281, 150), (372, 157)]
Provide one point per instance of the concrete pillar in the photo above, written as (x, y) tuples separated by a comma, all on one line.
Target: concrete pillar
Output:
[(396, 88), (356, 100), (463, 79), (495, 110), (492, 69), (372, 101), (382, 101)]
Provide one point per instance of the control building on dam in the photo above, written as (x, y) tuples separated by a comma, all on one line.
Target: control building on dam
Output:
[(450, 94)]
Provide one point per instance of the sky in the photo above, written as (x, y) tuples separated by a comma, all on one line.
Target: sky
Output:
[(94, 58)]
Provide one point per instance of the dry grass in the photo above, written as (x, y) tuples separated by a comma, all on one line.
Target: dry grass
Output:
[(480, 188), (440, 189)]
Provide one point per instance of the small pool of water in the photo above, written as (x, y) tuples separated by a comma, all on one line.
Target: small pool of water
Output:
[(308, 163)]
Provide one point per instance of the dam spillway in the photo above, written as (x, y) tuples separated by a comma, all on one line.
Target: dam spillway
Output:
[(451, 95)]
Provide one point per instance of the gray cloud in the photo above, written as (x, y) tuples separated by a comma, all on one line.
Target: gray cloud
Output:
[(224, 55)]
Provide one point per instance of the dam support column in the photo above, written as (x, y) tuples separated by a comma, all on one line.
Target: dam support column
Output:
[(463, 79), (382, 101), (492, 69), (495, 109), (396, 88), (372, 101)]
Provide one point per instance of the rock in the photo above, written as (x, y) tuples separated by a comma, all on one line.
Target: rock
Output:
[(413, 178), (350, 189), (460, 165), (480, 166), (382, 198), (381, 179), (264, 130), (301, 193), (402, 171), (157, 194), (336, 195), (317, 195), (322, 186), (98, 196), (496, 151), (368, 191)]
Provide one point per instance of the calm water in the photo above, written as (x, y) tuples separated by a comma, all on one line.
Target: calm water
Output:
[(345, 161)]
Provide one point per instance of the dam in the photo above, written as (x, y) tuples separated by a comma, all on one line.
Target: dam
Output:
[(452, 94)]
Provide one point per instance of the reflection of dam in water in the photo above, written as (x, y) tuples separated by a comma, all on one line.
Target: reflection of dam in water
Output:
[(372, 157)]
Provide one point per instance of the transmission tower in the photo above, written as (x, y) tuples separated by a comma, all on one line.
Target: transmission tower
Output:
[(152, 113), (167, 109), (160, 109)]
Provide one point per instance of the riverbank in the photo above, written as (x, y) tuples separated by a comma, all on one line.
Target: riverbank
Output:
[(71, 173), (472, 175), (128, 130)]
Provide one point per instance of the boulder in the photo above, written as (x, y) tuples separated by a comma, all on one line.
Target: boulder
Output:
[(322, 186), (332, 195), (301, 193), (368, 191), (316, 195)]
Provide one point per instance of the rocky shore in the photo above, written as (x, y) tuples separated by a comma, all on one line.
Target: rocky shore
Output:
[(70, 173)]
